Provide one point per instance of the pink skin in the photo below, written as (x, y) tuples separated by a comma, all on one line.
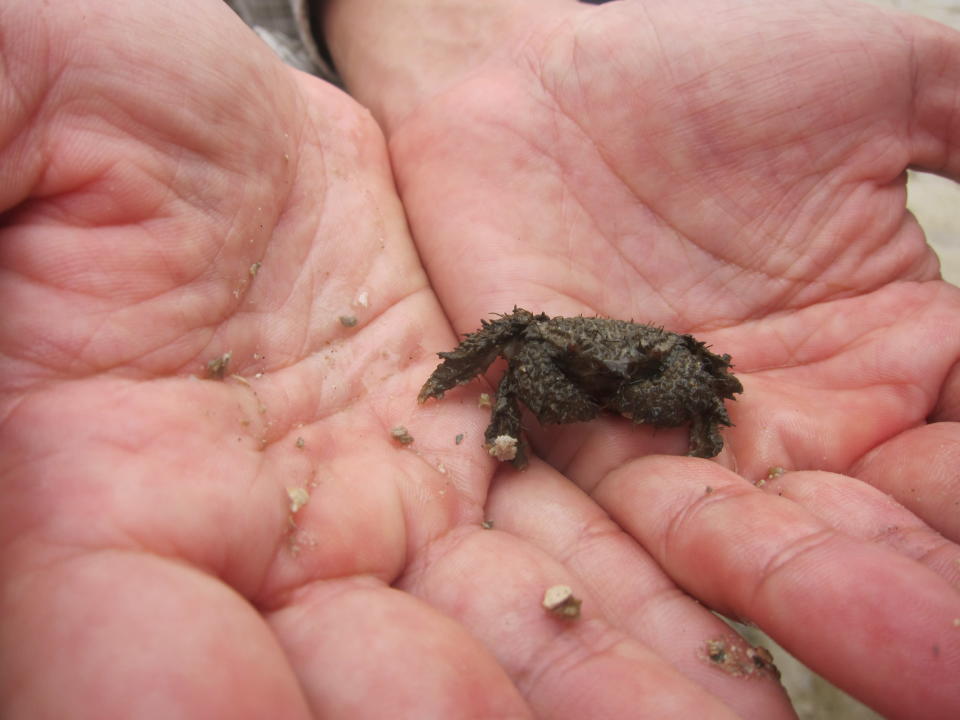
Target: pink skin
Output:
[(567, 159)]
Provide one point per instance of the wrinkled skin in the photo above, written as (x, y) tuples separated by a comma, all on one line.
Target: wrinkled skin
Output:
[(570, 369), (575, 159)]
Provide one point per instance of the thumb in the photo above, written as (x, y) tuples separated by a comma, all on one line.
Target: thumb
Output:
[(934, 123)]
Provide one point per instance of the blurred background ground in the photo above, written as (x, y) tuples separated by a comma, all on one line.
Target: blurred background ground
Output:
[(936, 203)]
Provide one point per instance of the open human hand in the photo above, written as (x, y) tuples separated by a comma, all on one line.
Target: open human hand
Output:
[(735, 170), (172, 194)]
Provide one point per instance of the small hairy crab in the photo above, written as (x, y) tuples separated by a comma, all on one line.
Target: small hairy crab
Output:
[(569, 369)]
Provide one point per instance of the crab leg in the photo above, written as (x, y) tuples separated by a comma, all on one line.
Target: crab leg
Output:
[(503, 432), (474, 354)]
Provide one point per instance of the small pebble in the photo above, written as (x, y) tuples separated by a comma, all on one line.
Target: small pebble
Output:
[(560, 601), (401, 435)]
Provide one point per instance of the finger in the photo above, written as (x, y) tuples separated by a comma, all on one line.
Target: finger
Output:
[(364, 650), (863, 512), (494, 584), (632, 593), (761, 557), (112, 634), (935, 124), (918, 467), (948, 405)]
